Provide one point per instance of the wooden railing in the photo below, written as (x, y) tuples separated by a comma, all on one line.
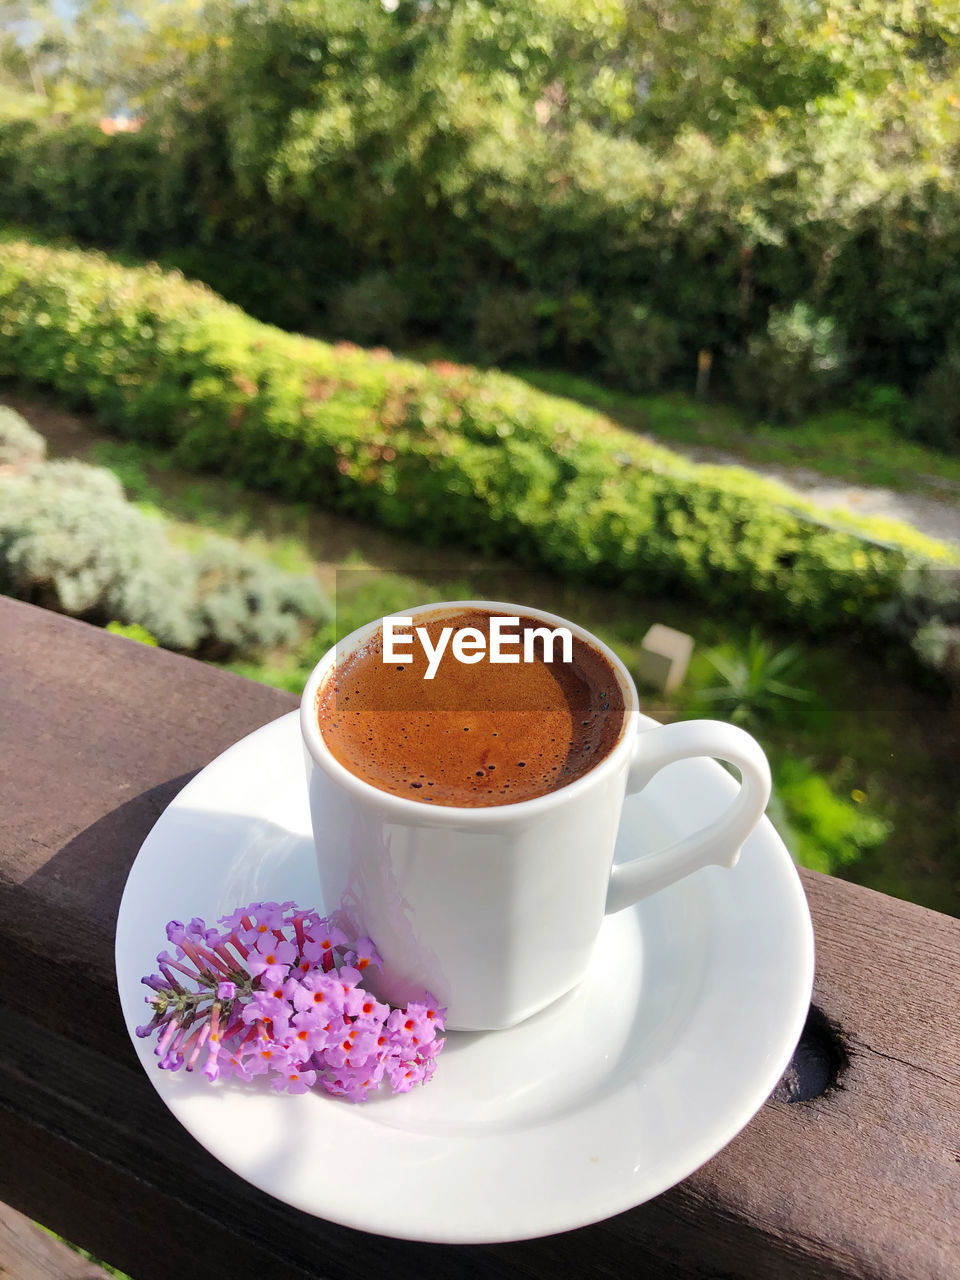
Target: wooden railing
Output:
[(851, 1169)]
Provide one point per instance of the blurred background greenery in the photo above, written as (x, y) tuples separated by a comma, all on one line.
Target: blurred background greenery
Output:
[(729, 225), (602, 185)]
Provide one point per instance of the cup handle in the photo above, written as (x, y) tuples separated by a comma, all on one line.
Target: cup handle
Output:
[(716, 845)]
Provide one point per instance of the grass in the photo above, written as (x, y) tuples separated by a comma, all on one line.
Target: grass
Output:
[(840, 442), (84, 1253), (872, 728)]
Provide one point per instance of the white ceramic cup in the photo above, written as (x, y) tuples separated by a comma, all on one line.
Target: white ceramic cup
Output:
[(495, 910)]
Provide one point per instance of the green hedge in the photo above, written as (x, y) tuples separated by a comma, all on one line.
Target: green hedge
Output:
[(584, 183), (132, 193), (441, 452), (703, 238)]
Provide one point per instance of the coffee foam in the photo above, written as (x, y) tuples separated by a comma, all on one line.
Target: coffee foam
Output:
[(475, 735)]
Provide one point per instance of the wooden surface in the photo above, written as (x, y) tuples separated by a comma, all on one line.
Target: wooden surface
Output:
[(97, 734), (27, 1253)]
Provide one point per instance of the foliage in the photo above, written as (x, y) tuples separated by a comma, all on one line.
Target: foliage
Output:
[(723, 163), (755, 683), (883, 403), (883, 730), (361, 594), (244, 603), (641, 346), (132, 631), (70, 540), (936, 410), (937, 645), (442, 452), (824, 831), (926, 613), (97, 55), (371, 309), (505, 327), (786, 369), (20, 445)]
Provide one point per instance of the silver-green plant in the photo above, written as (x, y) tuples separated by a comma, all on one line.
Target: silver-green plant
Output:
[(70, 540), (20, 445)]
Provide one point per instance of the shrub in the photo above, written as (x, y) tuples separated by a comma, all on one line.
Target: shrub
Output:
[(889, 404), (937, 645), (824, 831), (371, 309), (925, 613), (641, 346), (936, 409), (361, 595), (441, 452), (571, 326), (418, 140), (69, 540), (20, 445), (791, 365), (243, 602), (505, 326), (755, 684)]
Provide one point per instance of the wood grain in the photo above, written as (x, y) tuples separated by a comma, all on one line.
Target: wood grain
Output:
[(28, 1253), (97, 734)]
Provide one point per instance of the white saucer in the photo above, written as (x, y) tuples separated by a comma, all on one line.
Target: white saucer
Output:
[(682, 1028)]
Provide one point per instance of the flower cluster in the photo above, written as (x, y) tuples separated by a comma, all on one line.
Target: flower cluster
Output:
[(278, 991)]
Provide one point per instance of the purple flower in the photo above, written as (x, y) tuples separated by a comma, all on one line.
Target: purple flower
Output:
[(195, 1045), (268, 1055), (319, 991), (264, 918), (370, 1012), (270, 960), (234, 921), (295, 1081), (410, 1028), (319, 945), (364, 954), (232, 1064), (268, 1007), (286, 1001), (147, 1028), (356, 1082), (175, 932), (167, 962), (316, 1029), (404, 1075), (350, 979), (166, 1037), (210, 1068), (355, 1047)]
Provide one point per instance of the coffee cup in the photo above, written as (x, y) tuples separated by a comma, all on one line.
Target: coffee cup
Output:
[(493, 906)]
